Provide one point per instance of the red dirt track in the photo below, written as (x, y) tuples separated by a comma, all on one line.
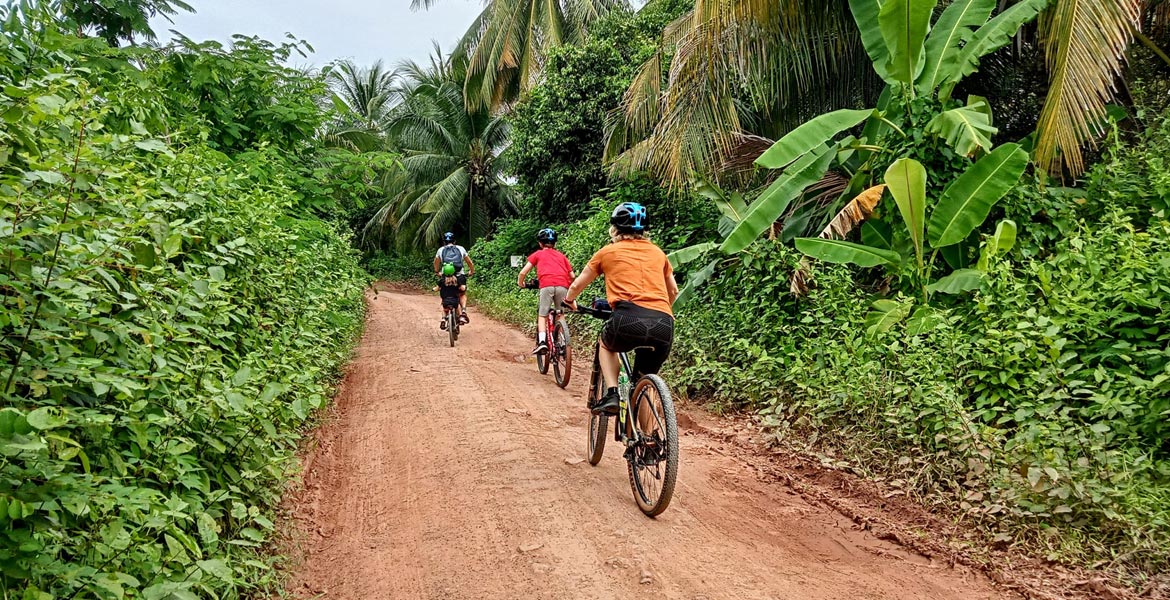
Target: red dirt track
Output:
[(457, 473)]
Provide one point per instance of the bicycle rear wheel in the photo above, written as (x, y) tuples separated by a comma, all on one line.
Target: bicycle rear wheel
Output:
[(653, 458), (452, 326), (563, 360), (597, 423)]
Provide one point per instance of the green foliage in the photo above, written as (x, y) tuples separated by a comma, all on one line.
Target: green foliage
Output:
[(452, 177), (1133, 176), (117, 20), (1038, 411), (559, 129), (240, 97), (172, 318), (416, 269)]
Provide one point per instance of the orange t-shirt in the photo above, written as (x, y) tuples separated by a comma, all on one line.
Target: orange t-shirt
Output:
[(635, 271)]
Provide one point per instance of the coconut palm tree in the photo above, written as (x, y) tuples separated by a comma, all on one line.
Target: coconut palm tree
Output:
[(507, 43), (732, 73), (367, 93), (363, 98), (452, 174), (1085, 44)]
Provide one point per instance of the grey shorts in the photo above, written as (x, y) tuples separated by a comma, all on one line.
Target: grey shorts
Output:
[(550, 298)]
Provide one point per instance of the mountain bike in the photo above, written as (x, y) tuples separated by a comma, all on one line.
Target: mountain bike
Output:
[(556, 339), (646, 425)]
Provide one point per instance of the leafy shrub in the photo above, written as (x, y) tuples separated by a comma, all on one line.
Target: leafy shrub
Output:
[(1133, 176), (416, 269), (1039, 409), (171, 321)]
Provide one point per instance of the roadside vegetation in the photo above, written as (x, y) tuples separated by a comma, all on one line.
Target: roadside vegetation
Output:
[(179, 293)]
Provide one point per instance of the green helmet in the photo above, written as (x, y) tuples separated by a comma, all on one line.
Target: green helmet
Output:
[(448, 269)]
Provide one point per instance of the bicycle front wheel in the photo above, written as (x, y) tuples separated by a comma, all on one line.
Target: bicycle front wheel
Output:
[(653, 457), (563, 359)]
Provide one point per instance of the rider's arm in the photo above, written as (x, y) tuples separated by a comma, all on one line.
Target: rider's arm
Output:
[(436, 265), (470, 265), (524, 274), (671, 284), (584, 279)]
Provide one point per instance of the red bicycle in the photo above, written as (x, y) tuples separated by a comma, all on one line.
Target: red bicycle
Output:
[(560, 348)]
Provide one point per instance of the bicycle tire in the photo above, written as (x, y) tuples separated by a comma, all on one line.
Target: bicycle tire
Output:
[(452, 326), (666, 441), (563, 359), (597, 423), (542, 359)]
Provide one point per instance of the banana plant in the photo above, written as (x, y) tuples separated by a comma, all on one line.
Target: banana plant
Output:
[(917, 61), (963, 207)]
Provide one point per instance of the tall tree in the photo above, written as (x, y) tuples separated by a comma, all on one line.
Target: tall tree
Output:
[(363, 98), (452, 177), (730, 71), (120, 20), (509, 41)]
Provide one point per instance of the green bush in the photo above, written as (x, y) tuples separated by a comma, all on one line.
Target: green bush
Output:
[(416, 269), (1039, 410), (171, 321)]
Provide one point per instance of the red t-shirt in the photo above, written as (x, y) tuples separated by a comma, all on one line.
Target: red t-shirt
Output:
[(552, 268)]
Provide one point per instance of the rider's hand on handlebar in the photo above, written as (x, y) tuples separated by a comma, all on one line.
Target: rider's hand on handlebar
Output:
[(572, 304)]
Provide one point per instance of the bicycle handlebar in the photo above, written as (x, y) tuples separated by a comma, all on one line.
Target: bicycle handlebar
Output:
[(599, 310)]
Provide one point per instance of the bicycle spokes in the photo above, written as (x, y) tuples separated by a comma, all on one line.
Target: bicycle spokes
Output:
[(652, 451)]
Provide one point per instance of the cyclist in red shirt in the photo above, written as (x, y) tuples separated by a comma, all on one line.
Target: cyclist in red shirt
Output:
[(555, 275)]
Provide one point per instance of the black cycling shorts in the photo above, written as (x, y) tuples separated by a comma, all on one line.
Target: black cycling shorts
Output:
[(649, 333)]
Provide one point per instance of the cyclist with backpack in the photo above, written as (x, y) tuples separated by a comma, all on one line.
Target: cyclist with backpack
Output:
[(449, 292), (455, 255), (640, 288), (554, 273)]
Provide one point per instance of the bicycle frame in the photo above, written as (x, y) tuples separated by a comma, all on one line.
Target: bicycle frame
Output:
[(626, 367), (550, 322)]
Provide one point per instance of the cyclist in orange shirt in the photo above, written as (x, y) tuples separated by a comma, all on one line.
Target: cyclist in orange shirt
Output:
[(640, 287)]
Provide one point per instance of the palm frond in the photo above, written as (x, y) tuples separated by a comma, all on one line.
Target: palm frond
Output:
[(1085, 43), (754, 67)]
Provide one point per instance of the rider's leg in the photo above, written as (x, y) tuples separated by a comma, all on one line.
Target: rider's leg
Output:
[(543, 307), (609, 366), (610, 401), (463, 304)]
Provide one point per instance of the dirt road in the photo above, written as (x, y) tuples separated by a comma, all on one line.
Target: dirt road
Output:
[(457, 473)]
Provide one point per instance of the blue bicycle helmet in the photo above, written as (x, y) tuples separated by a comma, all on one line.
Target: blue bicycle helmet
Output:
[(546, 236), (630, 217), (449, 237)]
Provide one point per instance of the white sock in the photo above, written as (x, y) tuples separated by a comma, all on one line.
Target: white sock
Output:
[(540, 337)]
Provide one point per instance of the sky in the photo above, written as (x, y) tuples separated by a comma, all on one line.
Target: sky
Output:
[(362, 30)]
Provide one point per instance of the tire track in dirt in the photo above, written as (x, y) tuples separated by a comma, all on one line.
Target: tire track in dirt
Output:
[(457, 473)]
